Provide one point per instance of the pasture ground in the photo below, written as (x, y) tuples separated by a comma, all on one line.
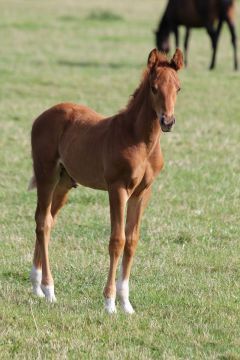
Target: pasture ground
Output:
[(185, 282)]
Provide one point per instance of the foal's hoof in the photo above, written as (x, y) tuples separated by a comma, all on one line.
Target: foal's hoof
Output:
[(110, 306), (36, 278), (38, 291), (126, 306), (48, 291)]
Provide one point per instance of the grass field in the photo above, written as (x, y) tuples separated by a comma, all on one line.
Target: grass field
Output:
[(185, 283)]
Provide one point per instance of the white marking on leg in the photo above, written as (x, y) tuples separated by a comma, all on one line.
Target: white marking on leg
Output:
[(123, 294), (110, 305), (36, 279), (48, 291)]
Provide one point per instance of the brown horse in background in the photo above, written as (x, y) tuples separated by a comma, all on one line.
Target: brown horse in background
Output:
[(197, 14), (120, 154)]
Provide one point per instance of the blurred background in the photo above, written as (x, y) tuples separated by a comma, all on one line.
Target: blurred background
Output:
[(49, 44)]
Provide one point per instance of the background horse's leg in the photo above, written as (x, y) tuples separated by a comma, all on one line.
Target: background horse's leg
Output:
[(135, 210), (117, 198), (213, 36), (186, 42), (234, 40), (176, 33), (215, 44)]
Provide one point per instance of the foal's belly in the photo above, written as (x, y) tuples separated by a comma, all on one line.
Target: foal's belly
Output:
[(84, 165), (85, 175)]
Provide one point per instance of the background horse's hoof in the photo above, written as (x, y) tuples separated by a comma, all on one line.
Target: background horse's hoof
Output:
[(48, 291)]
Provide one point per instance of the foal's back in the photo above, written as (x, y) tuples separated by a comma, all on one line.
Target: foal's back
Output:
[(73, 135)]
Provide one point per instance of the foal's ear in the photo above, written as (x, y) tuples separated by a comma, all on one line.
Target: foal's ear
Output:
[(152, 59), (177, 60)]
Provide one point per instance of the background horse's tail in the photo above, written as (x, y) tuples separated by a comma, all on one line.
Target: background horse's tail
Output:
[(32, 183)]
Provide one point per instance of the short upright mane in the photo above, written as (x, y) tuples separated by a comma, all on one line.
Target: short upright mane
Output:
[(144, 84), (139, 89)]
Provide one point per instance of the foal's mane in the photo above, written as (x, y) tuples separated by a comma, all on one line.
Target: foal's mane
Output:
[(143, 88)]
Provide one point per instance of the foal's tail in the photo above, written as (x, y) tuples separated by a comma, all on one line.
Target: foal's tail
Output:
[(32, 183)]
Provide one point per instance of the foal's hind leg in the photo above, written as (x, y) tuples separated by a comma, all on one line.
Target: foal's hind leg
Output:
[(46, 181), (59, 197), (136, 206), (61, 193), (36, 272)]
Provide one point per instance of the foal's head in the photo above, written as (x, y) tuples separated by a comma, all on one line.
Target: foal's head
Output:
[(164, 85)]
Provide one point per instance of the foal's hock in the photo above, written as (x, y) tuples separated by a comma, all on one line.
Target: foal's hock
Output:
[(72, 144)]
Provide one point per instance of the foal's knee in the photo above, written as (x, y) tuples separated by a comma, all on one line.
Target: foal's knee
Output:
[(130, 247), (116, 245), (43, 225)]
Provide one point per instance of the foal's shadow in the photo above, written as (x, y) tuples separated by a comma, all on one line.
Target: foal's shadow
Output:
[(95, 64)]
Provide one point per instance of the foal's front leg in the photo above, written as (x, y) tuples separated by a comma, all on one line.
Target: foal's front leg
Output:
[(136, 206), (117, 199)]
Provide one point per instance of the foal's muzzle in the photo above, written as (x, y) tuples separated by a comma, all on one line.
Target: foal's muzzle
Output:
[(167, 123)]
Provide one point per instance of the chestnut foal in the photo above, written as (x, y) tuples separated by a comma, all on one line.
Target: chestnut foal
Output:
[(73, 144)]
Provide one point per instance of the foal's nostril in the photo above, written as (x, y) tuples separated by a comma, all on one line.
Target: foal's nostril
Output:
[(162, 120), (167, 122)]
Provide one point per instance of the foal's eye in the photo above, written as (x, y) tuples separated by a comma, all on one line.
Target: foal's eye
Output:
[(154, 89), (178, 89)]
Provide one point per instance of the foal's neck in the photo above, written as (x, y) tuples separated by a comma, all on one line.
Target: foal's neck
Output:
[(141, 116)]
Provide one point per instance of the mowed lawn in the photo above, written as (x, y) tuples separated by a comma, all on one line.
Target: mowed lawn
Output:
[(185, 284)]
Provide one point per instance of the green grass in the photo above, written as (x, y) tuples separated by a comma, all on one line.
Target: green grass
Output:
[(185, 280)]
